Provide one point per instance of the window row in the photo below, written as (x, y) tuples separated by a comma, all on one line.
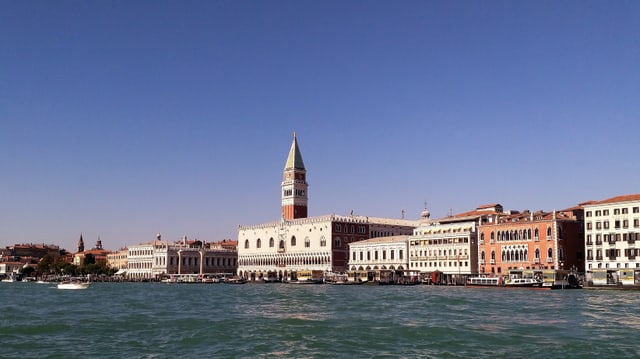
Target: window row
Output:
[(617, 224), (521, 255), (350, 228), (439, 264), (616, 211), (433, 242), (613, 237), (613, 254), (293, 242), (439, 252), (517, 235), (140, 252), (377, 255)]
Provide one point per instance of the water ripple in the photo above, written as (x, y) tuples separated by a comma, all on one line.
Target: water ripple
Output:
[(148, 320)]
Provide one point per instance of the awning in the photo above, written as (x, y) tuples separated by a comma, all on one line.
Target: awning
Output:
[(121, 272)]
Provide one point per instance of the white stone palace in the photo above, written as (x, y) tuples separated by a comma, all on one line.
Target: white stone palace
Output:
[(278, 250), (612, 229)]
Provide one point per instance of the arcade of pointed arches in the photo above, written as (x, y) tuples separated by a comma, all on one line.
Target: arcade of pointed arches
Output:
[(521, 234), (391, 267)]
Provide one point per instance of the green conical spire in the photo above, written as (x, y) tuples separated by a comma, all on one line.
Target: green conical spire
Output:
[(295, 158)]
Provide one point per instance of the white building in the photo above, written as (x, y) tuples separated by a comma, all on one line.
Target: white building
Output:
[(140, 261), (159, 258), (612, 233), (279, 249), (448, 246), (371, 258)]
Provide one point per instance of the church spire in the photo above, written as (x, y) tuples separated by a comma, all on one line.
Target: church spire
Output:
[(294, 160), (80, 244), (294, 184)]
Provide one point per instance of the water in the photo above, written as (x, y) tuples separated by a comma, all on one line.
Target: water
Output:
[(155, 320)]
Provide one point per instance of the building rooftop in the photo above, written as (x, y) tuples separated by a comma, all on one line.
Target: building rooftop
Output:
[(294, 160), (622, 198), (392, 239)]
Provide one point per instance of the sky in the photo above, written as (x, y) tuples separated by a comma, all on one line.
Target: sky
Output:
[(123, 119)]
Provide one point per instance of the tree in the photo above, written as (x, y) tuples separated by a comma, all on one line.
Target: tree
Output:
[(27, 271), (45, 264), (89, 259)]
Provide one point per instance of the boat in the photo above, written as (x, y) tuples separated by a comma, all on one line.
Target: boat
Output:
[(307, 277), (524, 282), (306, 281), (484, 282), (74, 285), (10, 278), (235, 280), (497, 282), (347, 282)]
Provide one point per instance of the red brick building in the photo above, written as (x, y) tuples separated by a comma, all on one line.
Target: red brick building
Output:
[(532, 240)]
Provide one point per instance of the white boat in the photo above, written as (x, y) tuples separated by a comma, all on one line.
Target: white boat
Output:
[(509, 283), (484, 282), (524, 282), (74, 285)]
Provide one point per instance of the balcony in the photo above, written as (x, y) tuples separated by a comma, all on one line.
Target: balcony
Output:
[(481, 261), (598, 258), (589, 258), (599, 243), (549, 260), (536, 260), (493, 261)]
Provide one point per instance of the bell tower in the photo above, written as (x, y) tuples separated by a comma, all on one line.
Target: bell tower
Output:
[(80, 244), (294, 185)]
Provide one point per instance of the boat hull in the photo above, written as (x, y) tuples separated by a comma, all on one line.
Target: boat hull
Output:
[(74, 285)]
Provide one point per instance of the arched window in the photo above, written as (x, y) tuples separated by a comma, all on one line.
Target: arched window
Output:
[(559, 232), (550, 253), (493, 255), (281, 245), (246, 244), (307, 242), (482, 236), (482, 256), (492, 235), (537, 253), (323, 242), (271, 244), (536, 233), (549, 232), (258, 243), (293, 241)]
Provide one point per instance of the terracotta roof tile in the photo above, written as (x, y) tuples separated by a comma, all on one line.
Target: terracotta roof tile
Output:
[(623, 198)]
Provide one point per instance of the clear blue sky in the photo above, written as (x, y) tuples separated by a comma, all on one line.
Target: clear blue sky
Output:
[(121, 119)]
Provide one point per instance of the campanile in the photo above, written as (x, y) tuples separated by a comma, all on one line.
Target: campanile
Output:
[(294, 185)]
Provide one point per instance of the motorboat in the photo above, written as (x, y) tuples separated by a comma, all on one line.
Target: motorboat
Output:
[(74, 285), (524, 282)]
